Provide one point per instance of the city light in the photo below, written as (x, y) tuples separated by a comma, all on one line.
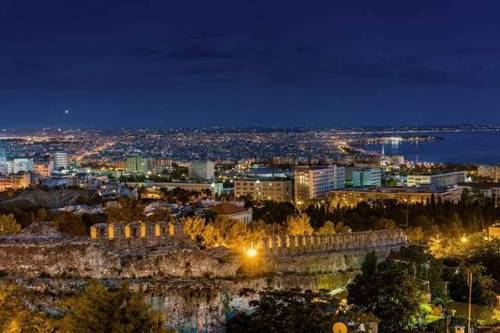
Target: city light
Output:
[(251, 252)]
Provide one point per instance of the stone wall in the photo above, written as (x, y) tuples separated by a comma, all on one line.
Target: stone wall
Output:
[(283, 245), (93, 260)]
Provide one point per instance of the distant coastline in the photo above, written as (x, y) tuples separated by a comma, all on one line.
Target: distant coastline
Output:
[(468, 147)]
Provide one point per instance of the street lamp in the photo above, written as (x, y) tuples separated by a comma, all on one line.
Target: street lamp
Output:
[(251, 252)]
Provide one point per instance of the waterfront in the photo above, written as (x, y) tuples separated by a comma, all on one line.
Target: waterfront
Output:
[(456, 147)]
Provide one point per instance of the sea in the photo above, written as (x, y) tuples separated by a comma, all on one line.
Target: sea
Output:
[(453, 147)]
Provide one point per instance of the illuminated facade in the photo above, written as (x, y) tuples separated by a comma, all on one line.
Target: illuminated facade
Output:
[(138, 164), (201, 170), (44, 169), (361, 177), (15, 182), (60, 160), (275, 190), (413, 195), (316, 182), (439, 179), (489, 171)]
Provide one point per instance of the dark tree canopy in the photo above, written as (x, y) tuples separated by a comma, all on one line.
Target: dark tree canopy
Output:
[(278, 311), (390, 293)]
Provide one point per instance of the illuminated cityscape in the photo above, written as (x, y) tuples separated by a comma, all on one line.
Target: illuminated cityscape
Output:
[(249, 167)]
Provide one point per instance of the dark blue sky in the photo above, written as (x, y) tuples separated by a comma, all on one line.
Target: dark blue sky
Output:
[(163, 63)]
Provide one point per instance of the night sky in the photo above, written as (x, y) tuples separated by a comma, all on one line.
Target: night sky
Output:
[(248, 63)]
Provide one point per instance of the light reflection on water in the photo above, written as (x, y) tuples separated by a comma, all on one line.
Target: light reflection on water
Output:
[(463, 147)]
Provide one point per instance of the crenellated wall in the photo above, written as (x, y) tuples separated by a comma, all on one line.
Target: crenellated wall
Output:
[(292, 244)]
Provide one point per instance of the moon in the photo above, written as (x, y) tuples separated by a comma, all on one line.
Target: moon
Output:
[(66, 111)]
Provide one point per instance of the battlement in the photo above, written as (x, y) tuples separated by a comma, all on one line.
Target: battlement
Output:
[(293, 244), (141, 233)]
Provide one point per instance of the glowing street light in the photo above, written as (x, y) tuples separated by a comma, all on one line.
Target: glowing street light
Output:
[(251, 252), (464, 239)]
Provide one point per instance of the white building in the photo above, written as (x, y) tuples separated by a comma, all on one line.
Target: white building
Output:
[(20, 165), (3, 162), (438, 180), (60, 160), (201, 170), (317, 182)]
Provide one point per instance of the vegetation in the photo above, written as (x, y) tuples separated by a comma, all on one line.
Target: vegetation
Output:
[(273, 212), (193, 227), (16, 315), (101, 310), (388, 291), (299, 225), (70, 224), (421, 221), (452, 268), (327, 229), (127, 210), (96, 309), (232, 234), (160, 215), (8, 225), (286, 311)]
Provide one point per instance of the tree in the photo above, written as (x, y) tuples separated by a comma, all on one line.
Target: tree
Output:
[(482, 285), (370, 263), (17, 314), (274, 212), (256, 231), (415, 234), (384, 224), (327, 229), (8, 225), (211, 236), (299, 225), (286, 311), (70, 224), (42, 215), (193, 227), (233, 233), (126, 210), (160, 215), (390, 293), (100, 310), (340, 227)]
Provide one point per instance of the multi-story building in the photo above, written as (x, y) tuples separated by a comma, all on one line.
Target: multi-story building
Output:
[(138, 164), (316, 182), (216, 188), (438, 179), (262, 189), (363, 177), (14, 182), (411, 195), (160, 164), (488, 190), (120, 165), (3, 163), (20, 165), (489, 171), (44, 168), (204, 170), (60, 160)]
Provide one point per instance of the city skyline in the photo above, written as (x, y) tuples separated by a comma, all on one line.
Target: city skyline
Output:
[(243, 64)]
